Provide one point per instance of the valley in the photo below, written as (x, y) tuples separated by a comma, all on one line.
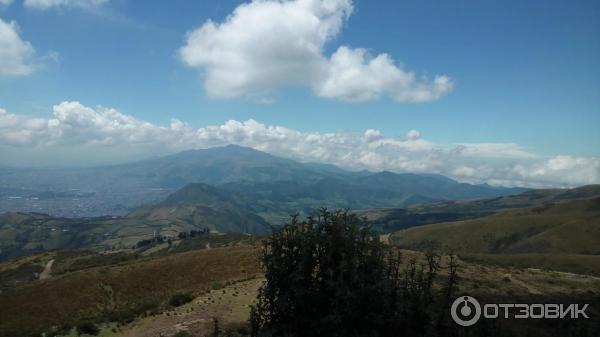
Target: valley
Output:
[(191, 257)]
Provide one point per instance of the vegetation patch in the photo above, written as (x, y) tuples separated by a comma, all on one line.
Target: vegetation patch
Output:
[(179, 299)]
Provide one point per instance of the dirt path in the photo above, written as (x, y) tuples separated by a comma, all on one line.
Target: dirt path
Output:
[(385, 238), (47, 272)]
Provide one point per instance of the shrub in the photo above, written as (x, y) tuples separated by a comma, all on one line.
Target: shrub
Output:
[(182, 334), (123, 316), (180, 299), (87, 328)]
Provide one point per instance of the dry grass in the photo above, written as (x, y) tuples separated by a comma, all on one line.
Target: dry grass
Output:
[(570, 263), (230, 304), (139, 286), (211, 276)]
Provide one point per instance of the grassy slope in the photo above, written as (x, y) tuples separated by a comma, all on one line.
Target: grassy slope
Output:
[(193, 207), (151, 282), (393, 219), (570, 227), (138, 285), (572, 263), (230, 304), (34, 233)]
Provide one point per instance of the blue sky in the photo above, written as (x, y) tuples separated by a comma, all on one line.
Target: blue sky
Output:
[(522, 72)]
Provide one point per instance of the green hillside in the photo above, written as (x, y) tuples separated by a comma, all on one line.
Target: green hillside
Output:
[(247, 207), (394, 219), (196, 206), (201, 205), (567, 227)]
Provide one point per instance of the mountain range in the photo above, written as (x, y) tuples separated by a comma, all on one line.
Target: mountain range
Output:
[(226, 189), (273, 185)]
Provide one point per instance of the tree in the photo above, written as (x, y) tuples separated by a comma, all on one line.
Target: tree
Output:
[(330, 275)]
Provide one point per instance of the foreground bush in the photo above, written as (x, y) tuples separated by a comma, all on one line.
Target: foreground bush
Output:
[(331, 276)]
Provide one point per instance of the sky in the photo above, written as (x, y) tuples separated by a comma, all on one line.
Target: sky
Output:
[(499, 92)]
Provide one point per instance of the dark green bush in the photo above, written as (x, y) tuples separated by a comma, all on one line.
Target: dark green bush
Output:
[(87, 328), (122, 316), (180, 299), (331, 275)]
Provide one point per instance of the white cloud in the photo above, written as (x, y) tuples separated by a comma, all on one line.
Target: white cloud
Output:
[(73, 125), (355, 77), (46, 4), (265, 100), (5, 2), (569, 170), (493, 150), (413, 135), (14, 52), (264, 45)]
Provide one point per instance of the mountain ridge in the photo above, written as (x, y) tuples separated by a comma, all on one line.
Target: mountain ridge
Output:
[(119, 189)]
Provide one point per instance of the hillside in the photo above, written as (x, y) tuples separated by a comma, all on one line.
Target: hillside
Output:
[(129, 296), (394, 219), (518, 200), (28, 233), (121, 291), (195, 207), (567, 227), (202, 205), (246, 208)]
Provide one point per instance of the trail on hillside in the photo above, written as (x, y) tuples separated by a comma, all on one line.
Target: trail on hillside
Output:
[(47, 272), (385, 238)]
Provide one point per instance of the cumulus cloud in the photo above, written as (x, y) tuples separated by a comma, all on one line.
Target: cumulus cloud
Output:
[(493, 150), (47, 4), (73, 125), (14, 52), (264, 45), (352, 75)]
